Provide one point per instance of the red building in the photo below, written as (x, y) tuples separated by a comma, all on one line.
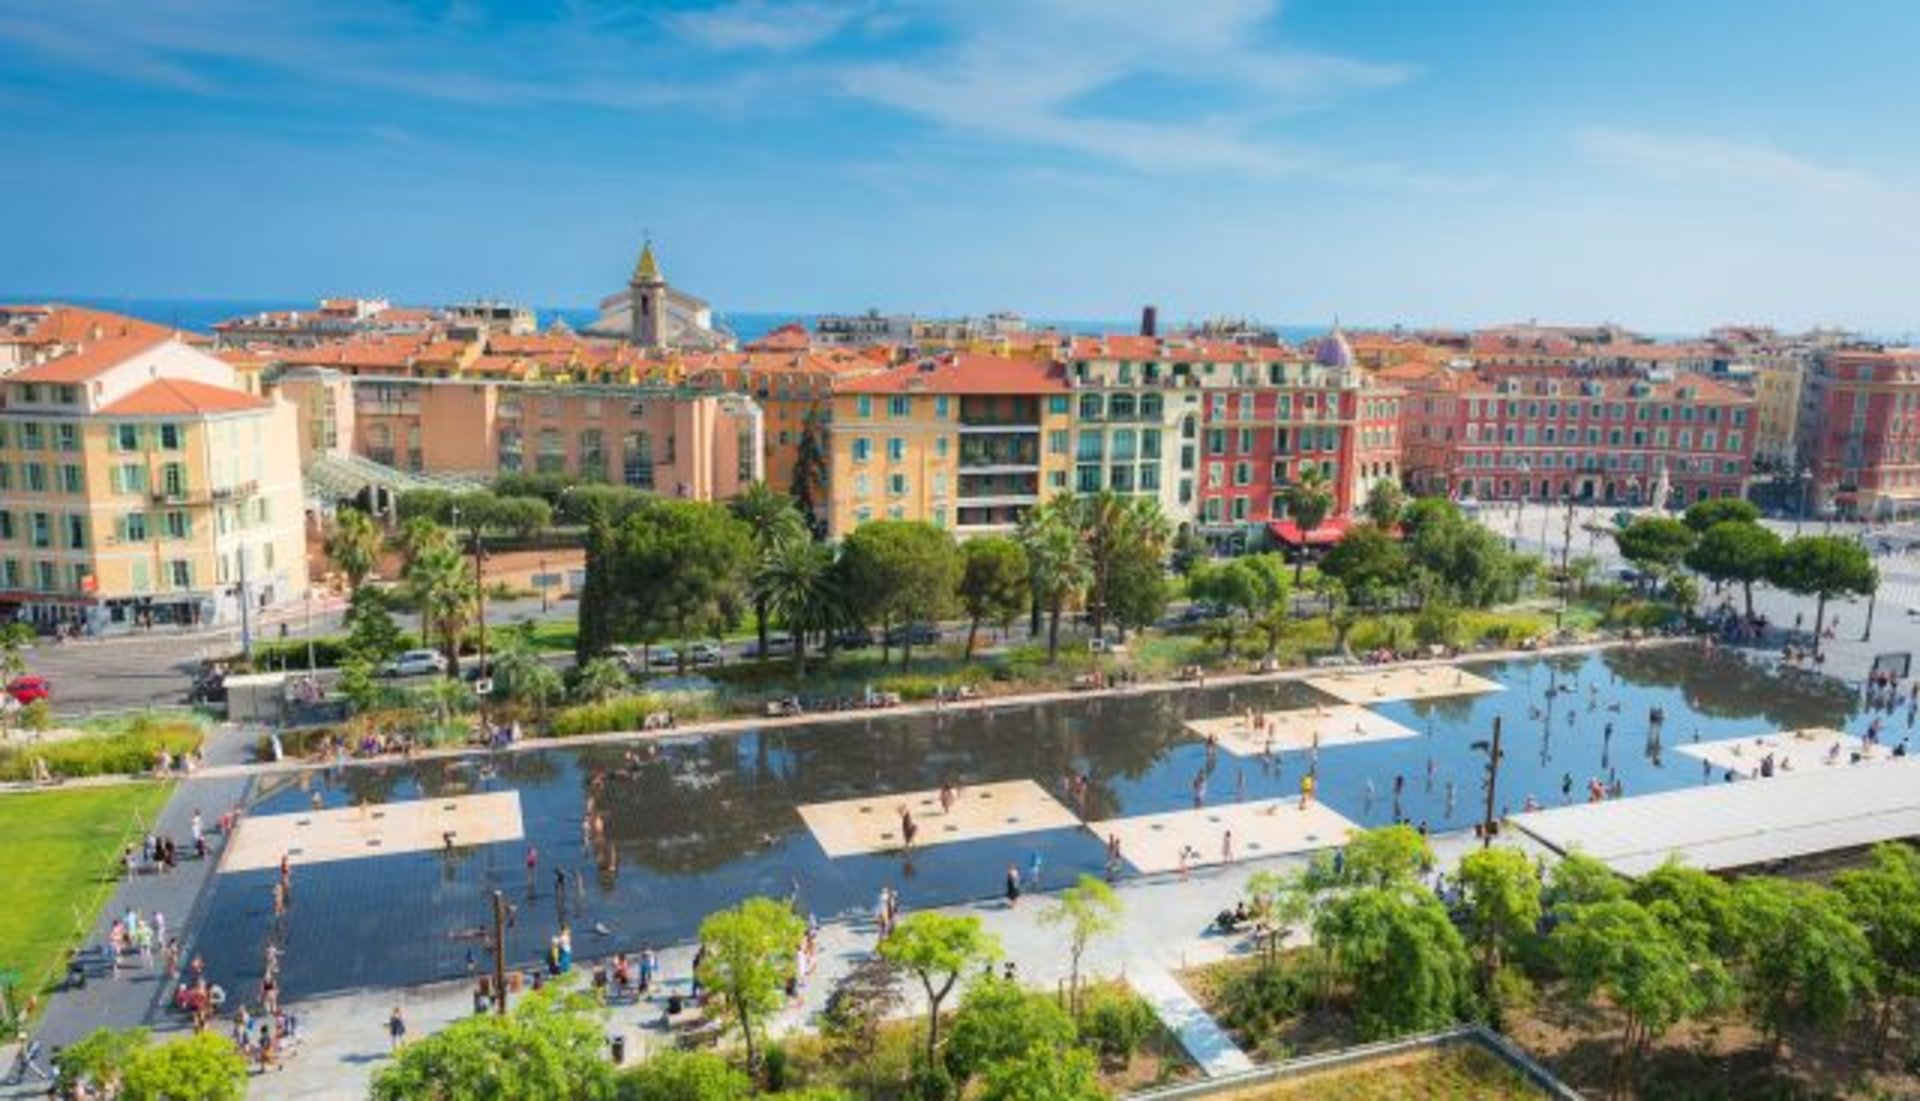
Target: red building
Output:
[(1605, 440), (1860, 431)]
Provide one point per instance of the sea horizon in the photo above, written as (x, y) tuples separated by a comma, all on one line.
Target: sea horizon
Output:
[(200, 314)]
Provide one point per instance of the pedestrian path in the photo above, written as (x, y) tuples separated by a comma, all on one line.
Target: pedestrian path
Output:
[(1211, 1048)]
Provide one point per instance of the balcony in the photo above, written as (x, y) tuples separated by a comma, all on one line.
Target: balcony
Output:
[(1000, 487), (1020, 452)]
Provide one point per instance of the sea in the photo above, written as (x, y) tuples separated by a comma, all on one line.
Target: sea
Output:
[(200, 315)]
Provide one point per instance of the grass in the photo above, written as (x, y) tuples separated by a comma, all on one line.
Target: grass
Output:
[(61, 852), (1465, 1071)]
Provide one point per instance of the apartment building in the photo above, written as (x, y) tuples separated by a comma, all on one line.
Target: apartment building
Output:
[(1860, 435), (139, 485), (664, 439), (793, 389), (1610, 440), (968, 442)]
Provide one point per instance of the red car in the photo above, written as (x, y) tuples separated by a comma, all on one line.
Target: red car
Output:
[(25, 690)]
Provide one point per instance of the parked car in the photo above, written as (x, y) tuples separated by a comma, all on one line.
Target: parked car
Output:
[(625, 655), (661, 657), (776, 645), (705, 653), (854, 638), (416, 663), (919, 634), (27, 689)]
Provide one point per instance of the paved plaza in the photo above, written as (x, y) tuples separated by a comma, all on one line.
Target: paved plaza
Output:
[(1179, 839), (1420, 682), (1792, 751), (373, 829), (1307, 728), (873, 825)]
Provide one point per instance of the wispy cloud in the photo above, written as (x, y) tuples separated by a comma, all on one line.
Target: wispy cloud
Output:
[(1029, 72), (756, 25), (1718, 159)]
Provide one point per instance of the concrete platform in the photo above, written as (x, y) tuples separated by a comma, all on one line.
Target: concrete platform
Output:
[(378, 829), (1365, 686), (1269, 827), (851, 827), (1793, 751), (1300, 729), (1742, 824)]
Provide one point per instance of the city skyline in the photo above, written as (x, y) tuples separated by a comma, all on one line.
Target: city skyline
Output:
[(1666, 169)]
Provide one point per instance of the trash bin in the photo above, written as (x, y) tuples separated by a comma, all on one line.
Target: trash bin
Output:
[(618, 1045)]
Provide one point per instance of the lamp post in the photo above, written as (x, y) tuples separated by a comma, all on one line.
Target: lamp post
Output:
[(499, 953), (1566, 550), (1492, 750)]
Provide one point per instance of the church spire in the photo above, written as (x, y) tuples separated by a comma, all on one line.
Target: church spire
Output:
[(648, 269)]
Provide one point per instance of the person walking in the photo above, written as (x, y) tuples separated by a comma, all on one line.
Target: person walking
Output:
[(396, 1030), (1013, 886)]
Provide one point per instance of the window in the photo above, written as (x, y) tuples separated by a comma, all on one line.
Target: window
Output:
[(76, 533), (41, 530), (1120, 408), (66, 437), (6, 526), (1090, 407), (1216, 441), (1092, 446), (862, 484), (133, 527), (36, 477), (940, 406), (1057, 442), (897, 484), (170, 437), (142, 577), (1087, 478), (1150, 478), (1057, 404), (593, 454), (180, 573), (1150, 406), (31, 437), (1242, 473), (636, 460), (940, 447), (70, 480), (1239, 508), (175, 524), (863, 406), (552, 452), (899, 405), (43, 576), (173, 479), (896, 449), (1245, 444)]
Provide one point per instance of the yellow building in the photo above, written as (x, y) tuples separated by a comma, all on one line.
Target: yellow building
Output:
[(139, 485), (1776, 390), (967, 442)]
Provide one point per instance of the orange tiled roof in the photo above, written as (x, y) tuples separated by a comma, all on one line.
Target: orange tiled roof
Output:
[(791, 337), (172, 397), (91, 361), (963, 374), (1133, 347), (58, 324)]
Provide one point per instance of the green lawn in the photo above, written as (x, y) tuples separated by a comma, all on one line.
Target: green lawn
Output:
[(59, 867)]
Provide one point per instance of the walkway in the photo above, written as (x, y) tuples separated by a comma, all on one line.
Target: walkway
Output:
[(1209, 1045)]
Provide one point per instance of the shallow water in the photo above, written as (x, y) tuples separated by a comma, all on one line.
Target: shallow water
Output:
[(711, 819)]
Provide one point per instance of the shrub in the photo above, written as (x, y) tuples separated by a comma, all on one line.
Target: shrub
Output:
[(997, 1021), (132, 747), (1438, 624), (624, 712), (1115, 1022), (684, 1076), (773, 1068), (922, 686), (930, 1082), (1257, 1002)]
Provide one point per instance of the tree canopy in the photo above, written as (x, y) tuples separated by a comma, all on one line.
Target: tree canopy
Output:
[(546, 1049), (1704, 516), (994, 585), (1735, 550), (1655, 543), (902, 572), (938, 948), (749, 959)]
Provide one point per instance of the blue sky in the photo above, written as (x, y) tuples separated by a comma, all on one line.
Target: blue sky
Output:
[(1669, 165)]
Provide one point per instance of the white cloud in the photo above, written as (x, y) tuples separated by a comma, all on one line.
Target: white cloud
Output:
[(756, 25), (1714, 158), (1027, 73)]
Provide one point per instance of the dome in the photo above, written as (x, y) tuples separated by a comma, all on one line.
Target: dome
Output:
[(1334, 351)]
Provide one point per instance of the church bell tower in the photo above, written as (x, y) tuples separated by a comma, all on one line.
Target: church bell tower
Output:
[(648, 292)]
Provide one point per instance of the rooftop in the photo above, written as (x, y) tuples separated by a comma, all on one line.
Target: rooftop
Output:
[(963, 374), (92, 360), (172, 397)]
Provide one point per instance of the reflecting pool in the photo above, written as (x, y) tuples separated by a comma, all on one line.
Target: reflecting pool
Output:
[(705, 820)]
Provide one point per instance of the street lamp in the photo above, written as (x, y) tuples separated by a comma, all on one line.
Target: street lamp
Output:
[(1492, 750)]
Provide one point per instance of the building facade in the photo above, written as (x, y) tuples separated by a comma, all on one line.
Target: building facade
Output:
[(1603, 440), (662, 439), (1860, 437), (967, 442), (139, 486)]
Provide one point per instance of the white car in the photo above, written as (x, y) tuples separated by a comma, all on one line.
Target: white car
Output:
[(704, 653), (416, 663)]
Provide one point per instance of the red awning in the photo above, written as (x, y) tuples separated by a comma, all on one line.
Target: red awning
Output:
[(1329, 532)]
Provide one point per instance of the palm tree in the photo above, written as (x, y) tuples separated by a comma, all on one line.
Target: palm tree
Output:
[(1117, 529), (796, 582), (772, 518), (1309, 500), (1056, 561), (601, 679), (440, 580), (354, 545)]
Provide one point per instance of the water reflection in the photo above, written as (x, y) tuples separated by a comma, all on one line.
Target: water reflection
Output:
[(633, 843)]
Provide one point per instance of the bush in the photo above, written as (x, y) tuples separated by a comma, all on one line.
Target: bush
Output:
[(1259, 1001), (623, 713), (124, 749), (999, 1020), (1644, 615), (930, 1082), (773, 1068), (329, 652), (1115, 1022), (1438, 624), (684, 1076), (921, 686)]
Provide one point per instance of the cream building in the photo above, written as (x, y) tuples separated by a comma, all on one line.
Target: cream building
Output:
[(139, 485)]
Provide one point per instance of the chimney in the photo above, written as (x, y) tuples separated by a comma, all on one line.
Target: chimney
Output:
[(1149, 321)]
